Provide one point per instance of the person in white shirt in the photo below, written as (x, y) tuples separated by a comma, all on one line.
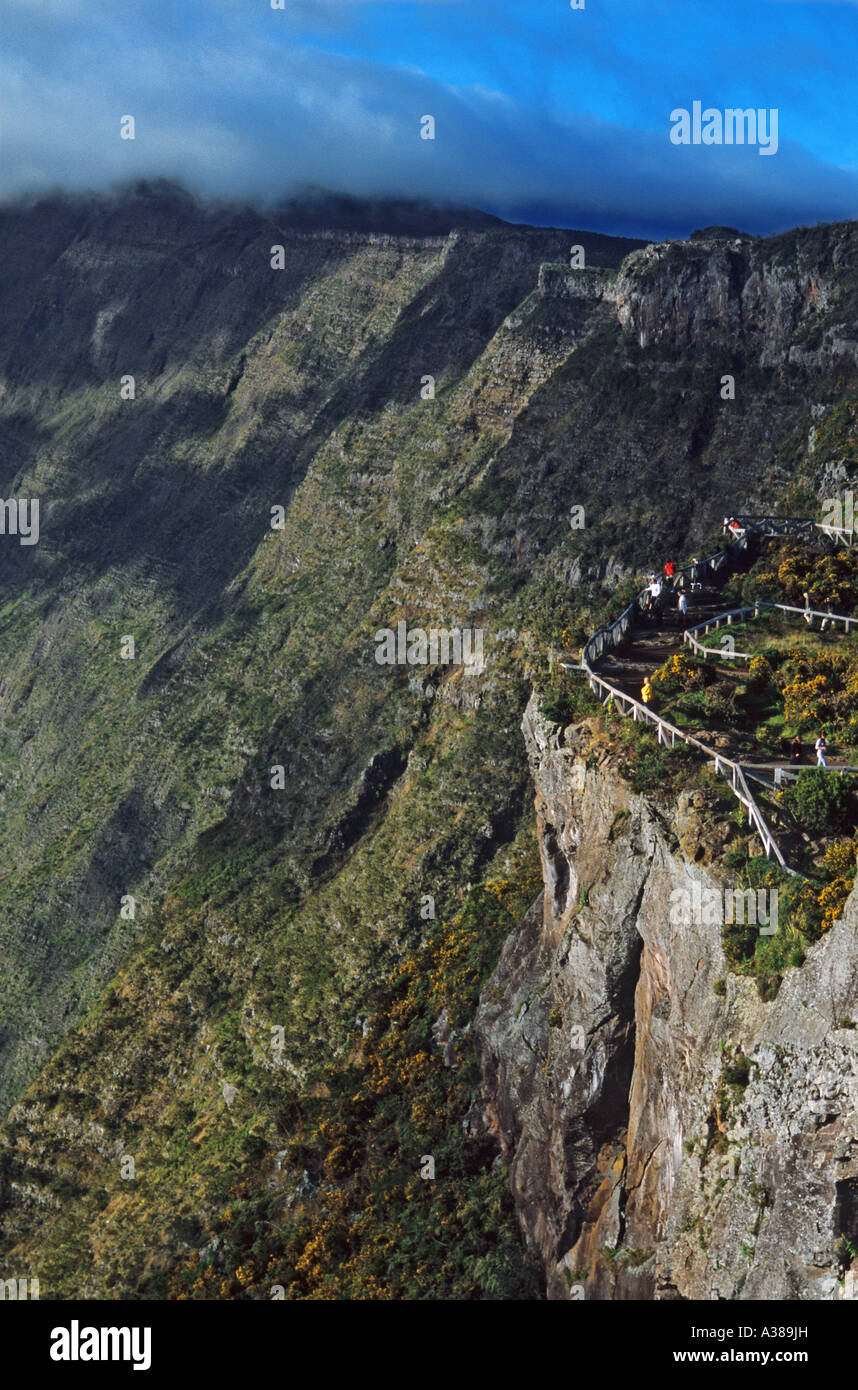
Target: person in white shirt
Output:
[(683, 607), (654, 587), (821, 750)]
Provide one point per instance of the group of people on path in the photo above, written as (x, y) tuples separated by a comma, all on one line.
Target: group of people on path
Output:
[(734, 530), (820, 748), (659, 593), (808, 614)]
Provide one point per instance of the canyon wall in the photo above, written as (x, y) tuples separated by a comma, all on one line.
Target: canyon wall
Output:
[(638, 1169)]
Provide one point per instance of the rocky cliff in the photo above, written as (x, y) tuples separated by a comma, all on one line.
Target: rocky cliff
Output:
[(646, 1163)]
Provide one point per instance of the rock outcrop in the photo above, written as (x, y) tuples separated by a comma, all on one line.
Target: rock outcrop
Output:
[(668, 1140), (737, 292)]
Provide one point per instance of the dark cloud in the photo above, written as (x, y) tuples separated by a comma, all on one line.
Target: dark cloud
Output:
[(232, 113)]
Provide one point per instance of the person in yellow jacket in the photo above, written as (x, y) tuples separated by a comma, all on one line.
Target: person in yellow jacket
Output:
[(646, 691)]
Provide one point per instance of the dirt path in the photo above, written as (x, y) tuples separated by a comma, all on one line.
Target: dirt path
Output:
[(651, 645)]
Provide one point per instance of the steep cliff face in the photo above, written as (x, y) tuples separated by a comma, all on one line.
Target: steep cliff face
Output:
[(645, 1164), (767, 299), (252, 388)]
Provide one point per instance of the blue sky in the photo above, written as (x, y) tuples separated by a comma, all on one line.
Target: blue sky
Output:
[(543, 113)]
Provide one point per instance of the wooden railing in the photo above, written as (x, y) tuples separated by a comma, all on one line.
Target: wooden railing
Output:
[(790, 773), (845, 534), (772, 525), (794, 525), (737, 614), (668, 733)]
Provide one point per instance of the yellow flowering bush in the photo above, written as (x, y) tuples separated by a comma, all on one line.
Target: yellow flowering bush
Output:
[(790, 568), (832, 900), (679, 672), (808, 702), (839, 859), (760, 673), (814, 686), (839, 862)]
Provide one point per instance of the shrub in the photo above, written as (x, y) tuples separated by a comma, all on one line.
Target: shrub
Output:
[(803, 909), (720, 703), (558, 709), (767, 986), (680, 672), (811, 696), (739, 942), (839, 859), (832, 900), (839, 864), (564, 702), (653, 767), (738, 1071), (760, 675), (648, 770), (821, 801), (736, 858), (773, 655), (789, 568)]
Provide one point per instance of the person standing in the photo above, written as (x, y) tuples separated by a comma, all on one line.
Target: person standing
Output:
[(653, 590), (808, 616), (683, 608), (821, 750), (796, 749)]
